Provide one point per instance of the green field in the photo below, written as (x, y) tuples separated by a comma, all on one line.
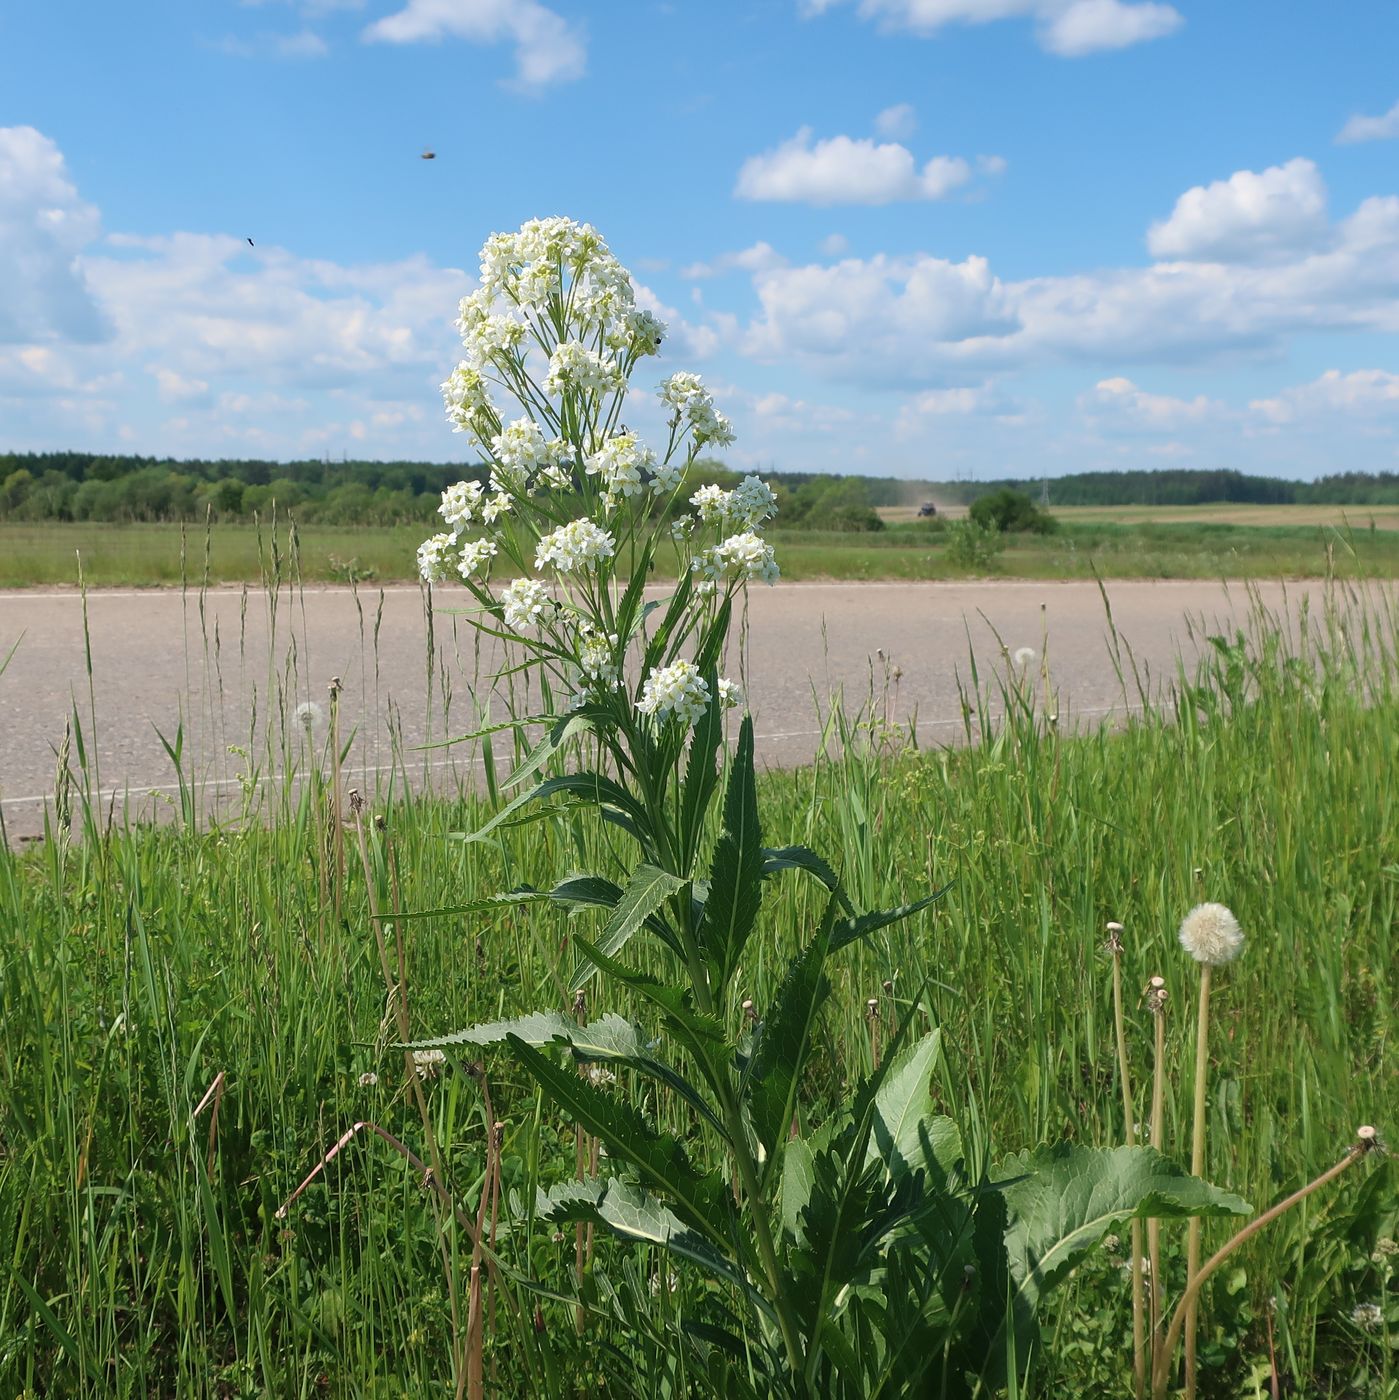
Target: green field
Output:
[(1137, 546), (143, 1255)]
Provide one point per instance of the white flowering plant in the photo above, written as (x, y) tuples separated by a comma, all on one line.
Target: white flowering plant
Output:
[(870, 1252)]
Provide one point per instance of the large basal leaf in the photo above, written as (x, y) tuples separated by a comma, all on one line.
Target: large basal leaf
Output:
[(908, 1135), (736, 877), (774, 1072), (659, 1159), (648, 889), (1063, 1200)]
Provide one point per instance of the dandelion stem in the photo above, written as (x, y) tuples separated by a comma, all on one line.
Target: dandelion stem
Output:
[(1197, 1168), (1130, 1131)]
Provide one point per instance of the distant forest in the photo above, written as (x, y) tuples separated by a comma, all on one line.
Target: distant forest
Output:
[(89, 486)]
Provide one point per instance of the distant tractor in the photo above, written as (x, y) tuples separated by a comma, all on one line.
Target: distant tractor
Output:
[(927, 510)]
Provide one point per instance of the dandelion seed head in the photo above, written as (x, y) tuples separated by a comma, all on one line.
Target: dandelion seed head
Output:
[(1211, 935), (309, 716), (1367, 1316)]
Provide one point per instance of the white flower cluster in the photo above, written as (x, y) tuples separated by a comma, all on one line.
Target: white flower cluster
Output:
[(525, 603), (747, 506), (597, 658), (525, 459), (572, 366), (574, 547), (434, 556), (740, 558), (468, 402), (475, 554), (675, 692), (691, 403), (730, 693), (461, 503), (624, 464)]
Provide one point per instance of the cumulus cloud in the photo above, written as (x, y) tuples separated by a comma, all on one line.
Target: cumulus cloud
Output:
[(44, 294), (1382, 128), (1364, 392), (1070, 28), (847, 170), (898, 122), (547, 48), (306, 43), (1248, 217), (1118, 403), (761, 257)]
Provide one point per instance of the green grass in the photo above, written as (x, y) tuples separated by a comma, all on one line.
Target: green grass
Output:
[(146, 555), (142, 1251)]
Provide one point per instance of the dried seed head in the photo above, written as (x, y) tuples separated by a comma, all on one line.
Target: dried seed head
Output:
[(888, 985), (1156, 995), (1211, 935), (872, 1008), (356, 801), (749, 1010), (1114, 941)]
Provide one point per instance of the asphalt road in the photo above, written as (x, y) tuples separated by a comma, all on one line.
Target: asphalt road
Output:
[(221, 666)]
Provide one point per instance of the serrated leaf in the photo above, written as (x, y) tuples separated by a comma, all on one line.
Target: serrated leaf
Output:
[(564, 728), (798, 1177), (779, 858), (736, 876), (1063, 1200), (649, 888), (535, 1028), (908, 1134), (657, 1157), (590, 787), (774, 1072), (850, 930)]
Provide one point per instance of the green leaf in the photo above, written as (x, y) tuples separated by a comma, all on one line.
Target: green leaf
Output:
[(650, 887), (908, 1134), (1063, 1200), (589, 787), (774, 1072), (701, 771), (736, 877), (850, 930), (566, 727), (675, 1003), (798, 1177), (536, 1028), (780, 858), (660, 1160)]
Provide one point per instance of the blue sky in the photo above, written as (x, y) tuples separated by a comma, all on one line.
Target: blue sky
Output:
[(940, 238)]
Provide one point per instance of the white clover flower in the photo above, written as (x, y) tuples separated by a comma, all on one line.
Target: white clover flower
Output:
[(461, 502), (730, 693), (467, 401), (433, 556), (573, 366), (752, 502), (1211, 934), (597, 658), (427, 1062), (574, 546), (742, 557), (368, 1079), (474, 554), (677, 691), (1367, 1316), (526, 603), (520, 450), (599, 1077), (620, 463), (309, 716)]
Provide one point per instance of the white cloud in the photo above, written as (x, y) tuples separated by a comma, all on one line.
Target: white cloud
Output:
[(547, 48), (847, 170), (304, 44), (761, 257), (1118, 403), (1365, 392), (898, 123), (43, 226), (1248, 217), (1382, 128), (1070, 28), (834, 245)]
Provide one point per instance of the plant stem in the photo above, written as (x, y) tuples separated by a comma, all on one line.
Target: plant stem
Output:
[(1197, 1168), (1365, 1141), (1158, 1118), (1129, 1128)]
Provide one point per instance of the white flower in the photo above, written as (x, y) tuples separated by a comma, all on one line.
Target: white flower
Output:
[(600, 1078), (682, 527), (498, 503), (646, 332), (684, 393), (740, 557), (620, 462), (712, 504), (730, 693), (433, 555), (474, 554), (368, 1079), (1211, 934), (526, 603), (428, 1062), (573, 366), (520, 450), (665, 477), (597, 658), (1024, 655), (493, 337), (467, 401), (309, 715), (751, 502), (460, 503), (1367, 1316), (677, 691), (574, 546)]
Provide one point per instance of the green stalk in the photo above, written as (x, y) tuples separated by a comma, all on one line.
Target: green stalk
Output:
[(1197, 1168), (1130, 1131)]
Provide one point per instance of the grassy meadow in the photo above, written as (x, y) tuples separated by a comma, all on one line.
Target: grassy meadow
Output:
[(194, 1014), (1206, 542)]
